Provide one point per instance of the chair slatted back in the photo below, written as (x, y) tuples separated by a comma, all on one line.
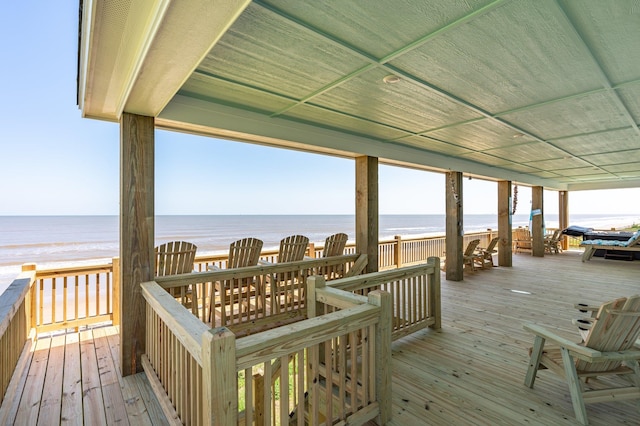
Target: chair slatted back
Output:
[(293, 248), (334, 245), (471, 247), (616, 328), (175, 257), (522, 234), (492, 245), (244, 252)]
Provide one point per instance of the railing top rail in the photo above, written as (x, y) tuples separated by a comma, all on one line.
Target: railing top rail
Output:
[(281, 341), (251, 271), (339, 298), (376, 278), (13, 296), (186, 327), (73, 270), (217, 257)]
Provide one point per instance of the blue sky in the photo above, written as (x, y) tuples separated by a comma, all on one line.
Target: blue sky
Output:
[(55, 162)]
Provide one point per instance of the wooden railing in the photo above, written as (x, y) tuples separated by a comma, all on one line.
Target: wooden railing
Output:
[(415, 292), (401, 252), (175, 355), (333, 367), (248, 298), (75, 296), (16, 323), (394, 253)]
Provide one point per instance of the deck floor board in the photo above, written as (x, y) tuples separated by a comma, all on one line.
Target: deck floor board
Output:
[(52, 392), (32, 395), (92, 397), (71, 410)]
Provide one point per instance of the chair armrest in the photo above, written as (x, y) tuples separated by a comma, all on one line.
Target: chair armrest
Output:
[(262, 262), (583, 307), (584, 351), (629, 354), (583, 323), (213, 268)]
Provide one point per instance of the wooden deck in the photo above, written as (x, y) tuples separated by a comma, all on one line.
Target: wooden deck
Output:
[(75, 379), (471, 372)]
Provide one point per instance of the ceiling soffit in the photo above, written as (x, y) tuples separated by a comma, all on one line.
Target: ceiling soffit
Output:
[(538, 89), (495, 82)]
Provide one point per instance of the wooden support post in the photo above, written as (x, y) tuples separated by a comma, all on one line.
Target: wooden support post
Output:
[(563, 216), (136, 233), (505, 231), (397, 253), (258, 398), (435, 308), (116, 290), (311, 250), (454, 227), (537, 221), (367, 210), (30, 303), (219, 377), (383, 353), (313, 307)]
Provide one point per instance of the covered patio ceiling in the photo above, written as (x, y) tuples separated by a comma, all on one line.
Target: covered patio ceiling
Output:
[(538, 92)]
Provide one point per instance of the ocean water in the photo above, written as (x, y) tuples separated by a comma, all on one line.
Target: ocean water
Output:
[(67, 240)]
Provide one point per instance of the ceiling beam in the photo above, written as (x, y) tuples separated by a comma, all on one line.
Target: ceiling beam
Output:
[(614, 184), (197, 116)]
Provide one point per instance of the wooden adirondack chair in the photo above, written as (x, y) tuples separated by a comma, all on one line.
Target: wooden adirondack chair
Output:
[(173, 258), (244, 252), (293, 248), (285, 287), (234, 297), (552, 243), (608, 349), (487, 253), (471, 257), (333, 246), (522, 240)]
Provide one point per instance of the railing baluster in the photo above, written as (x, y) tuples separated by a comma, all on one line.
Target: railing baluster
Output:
[(65, 301), (77, 297), (98, 294), (53, 300), (40, 319), (87, 302), (108, 280)]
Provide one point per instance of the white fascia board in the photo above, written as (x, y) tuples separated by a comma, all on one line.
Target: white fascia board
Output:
[(197, 116), (187, 33), (135, 55), (115, 37), (84, 51), (609, 184)]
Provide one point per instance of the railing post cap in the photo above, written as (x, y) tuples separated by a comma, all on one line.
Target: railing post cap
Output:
[(317, 281), (28, 267)]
